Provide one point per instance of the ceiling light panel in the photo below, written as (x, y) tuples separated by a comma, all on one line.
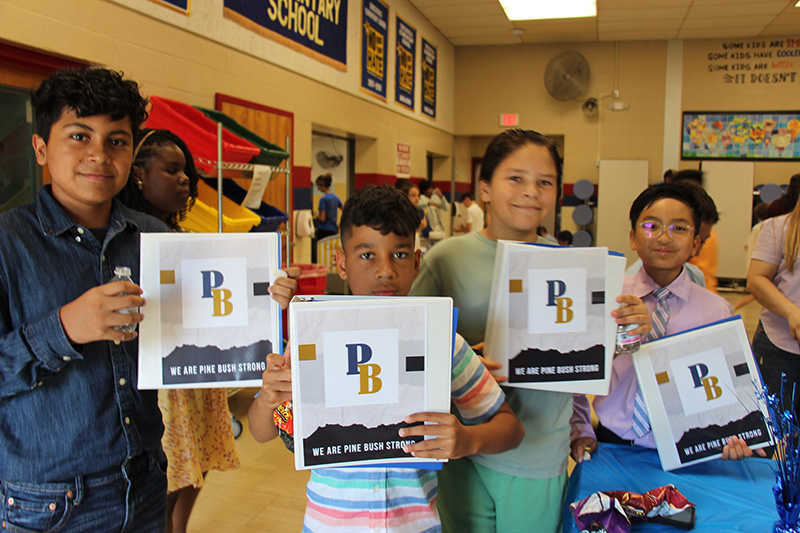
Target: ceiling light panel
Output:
[(543, 10)]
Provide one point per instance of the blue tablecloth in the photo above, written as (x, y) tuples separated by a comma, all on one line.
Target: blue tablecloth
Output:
[(729, 495)]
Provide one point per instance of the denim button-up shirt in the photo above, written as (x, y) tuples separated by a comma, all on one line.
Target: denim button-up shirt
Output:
[(66, 410)]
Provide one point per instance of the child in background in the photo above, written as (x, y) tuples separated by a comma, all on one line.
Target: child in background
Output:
[(706, 258), (473, 215), (520, 175), (665, 226), (433, 204), (198, 436), (81, 444), (412, 193), (163, 181), (542, 232), (378, 259)]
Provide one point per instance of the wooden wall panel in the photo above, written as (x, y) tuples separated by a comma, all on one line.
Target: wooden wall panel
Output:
[(273, 128)]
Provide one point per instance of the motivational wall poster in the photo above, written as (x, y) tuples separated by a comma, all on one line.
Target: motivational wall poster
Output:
[(374, 52), (550, 323), (209, 320), (701, 387), (317, 28), (360, 365), (741, 136), (405, 64), (428, 79)]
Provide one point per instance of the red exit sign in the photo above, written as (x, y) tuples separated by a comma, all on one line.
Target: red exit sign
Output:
[(509, 119)]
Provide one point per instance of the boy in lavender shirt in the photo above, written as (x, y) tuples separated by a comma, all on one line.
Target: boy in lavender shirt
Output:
[(665, 221)]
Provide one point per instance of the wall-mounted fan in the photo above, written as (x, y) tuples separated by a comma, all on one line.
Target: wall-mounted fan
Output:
[(566, 76), (326, 160)]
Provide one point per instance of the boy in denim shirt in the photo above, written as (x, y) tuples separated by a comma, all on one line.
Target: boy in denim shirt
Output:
[(81, 444)]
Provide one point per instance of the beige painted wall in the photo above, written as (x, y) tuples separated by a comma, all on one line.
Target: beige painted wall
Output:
[(510, 79), (491, 80), (180, 64)]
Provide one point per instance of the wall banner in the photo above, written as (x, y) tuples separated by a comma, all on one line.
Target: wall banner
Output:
[(428, 79), (374, 40), (760, 135), (181, 6), (405, 67), (317, 28)]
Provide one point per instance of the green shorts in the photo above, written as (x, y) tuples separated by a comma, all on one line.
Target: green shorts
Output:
[(476, 499)]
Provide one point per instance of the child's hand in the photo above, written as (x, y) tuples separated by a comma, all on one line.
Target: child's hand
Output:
[(283, 288), (581, 445), (737, 449), (451, 440), (92, 315), (634, 313), (276, 386), (490, 365)]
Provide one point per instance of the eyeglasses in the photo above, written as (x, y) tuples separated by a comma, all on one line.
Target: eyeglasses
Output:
[(652, 230)]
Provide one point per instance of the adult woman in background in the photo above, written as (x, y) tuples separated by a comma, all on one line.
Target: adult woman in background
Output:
[(327, 213), (774, 279)]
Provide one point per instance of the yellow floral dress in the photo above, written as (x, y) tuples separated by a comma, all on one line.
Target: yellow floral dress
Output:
[(197, 435)]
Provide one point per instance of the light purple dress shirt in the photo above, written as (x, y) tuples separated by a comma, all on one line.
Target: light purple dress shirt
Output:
[(690, 306), (770, 247)]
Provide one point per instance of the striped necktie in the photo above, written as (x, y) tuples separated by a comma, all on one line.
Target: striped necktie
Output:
[(641, 421)]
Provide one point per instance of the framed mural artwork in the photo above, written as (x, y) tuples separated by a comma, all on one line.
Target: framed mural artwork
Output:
[(760, 135)]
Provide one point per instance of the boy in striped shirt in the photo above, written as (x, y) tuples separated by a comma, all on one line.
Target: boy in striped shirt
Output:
[(378, 259)]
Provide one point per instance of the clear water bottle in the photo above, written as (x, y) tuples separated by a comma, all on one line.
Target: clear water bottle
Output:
[(627, 343), (124, 274)]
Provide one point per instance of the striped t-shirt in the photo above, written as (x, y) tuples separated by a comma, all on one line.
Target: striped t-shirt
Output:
[(402, 500)]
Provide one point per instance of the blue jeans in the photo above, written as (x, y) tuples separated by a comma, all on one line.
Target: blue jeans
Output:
[(132, 498), (772, 362)]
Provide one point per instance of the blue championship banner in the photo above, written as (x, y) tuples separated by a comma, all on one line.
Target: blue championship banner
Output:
[(428, 79), (181, 6), (405, 70), (374, 39), (317, 28)]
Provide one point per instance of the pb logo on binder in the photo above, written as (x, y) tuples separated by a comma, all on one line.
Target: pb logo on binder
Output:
[(358, 355), (557, 300), (556, 289), (704, 381), (214, 292), (221, 297), (700, 378), (361, 367)]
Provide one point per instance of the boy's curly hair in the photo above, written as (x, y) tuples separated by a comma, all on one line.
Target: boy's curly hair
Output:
[(382, 208), (88, 92)]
